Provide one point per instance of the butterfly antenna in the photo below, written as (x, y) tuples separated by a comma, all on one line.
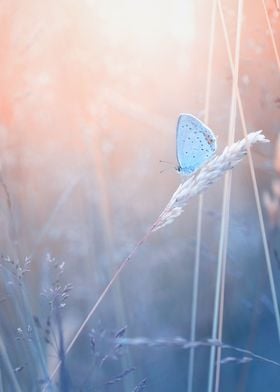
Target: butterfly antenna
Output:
[(169, 163), (168, 168)]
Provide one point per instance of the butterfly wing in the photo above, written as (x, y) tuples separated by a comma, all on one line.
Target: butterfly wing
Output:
[(195, 143)]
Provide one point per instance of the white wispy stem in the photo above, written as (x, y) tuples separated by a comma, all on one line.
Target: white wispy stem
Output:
[(192, 187), (184, 344), (210, 173)]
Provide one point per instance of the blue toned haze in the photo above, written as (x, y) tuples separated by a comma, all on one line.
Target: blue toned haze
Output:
[(90, 93)]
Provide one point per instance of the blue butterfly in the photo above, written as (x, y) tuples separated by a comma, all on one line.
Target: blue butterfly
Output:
[(195, 143)]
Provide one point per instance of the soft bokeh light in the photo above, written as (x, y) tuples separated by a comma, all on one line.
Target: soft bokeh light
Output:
[(90, 92)]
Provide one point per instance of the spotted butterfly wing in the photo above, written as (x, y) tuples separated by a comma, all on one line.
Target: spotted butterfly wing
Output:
[(195, 143)]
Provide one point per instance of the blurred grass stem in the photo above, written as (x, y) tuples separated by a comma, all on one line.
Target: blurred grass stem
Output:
[(218, 312), (194, 185), (201, 202), (277, 57)]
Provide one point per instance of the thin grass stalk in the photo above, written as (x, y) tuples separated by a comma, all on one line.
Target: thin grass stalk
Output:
[(118, 305), (23, 310), (200, 203), (100, 299), (228, 181), (195, 292), (179, 342), (222, 259), (221, 268), (228, 186), (255, 186), (64, 377), (26, 349), (1, 382), (195, 184), (6, 364), (277, 57), (36, 346)]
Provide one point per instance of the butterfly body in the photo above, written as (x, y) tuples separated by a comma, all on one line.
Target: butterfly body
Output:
[(195, 144)]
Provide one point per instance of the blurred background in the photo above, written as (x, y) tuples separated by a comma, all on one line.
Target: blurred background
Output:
[(89, 100)]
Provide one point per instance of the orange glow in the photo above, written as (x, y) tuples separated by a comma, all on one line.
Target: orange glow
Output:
[(95, 88)]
